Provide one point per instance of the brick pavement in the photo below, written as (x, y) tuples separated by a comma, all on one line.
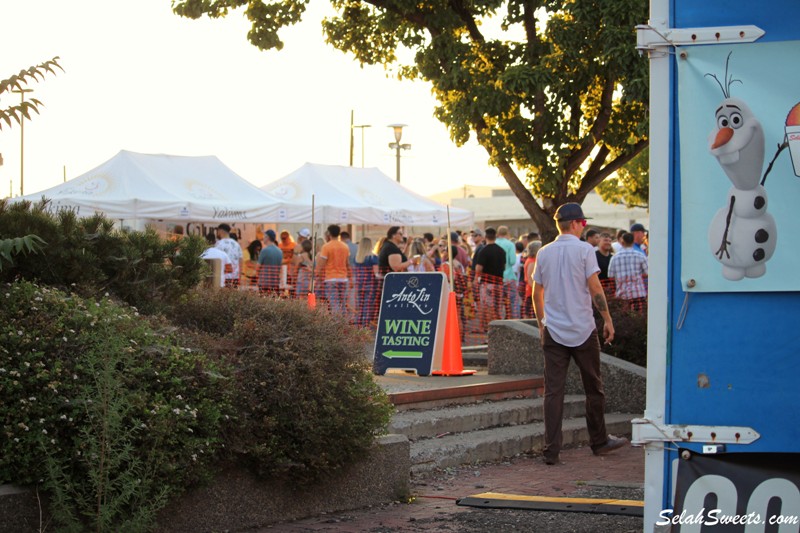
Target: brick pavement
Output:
[(436, 493)]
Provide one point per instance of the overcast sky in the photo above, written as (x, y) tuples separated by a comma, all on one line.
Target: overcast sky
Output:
[(137, 77)]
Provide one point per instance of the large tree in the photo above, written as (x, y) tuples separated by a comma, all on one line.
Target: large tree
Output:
[(554, 90)]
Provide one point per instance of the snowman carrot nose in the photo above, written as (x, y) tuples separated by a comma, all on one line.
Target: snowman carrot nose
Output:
[(723, 136)]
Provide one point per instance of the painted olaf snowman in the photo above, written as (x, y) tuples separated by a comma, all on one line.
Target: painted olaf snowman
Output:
[(742, 236)]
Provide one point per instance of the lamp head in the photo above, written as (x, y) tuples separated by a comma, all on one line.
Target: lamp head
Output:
[(398, 131)]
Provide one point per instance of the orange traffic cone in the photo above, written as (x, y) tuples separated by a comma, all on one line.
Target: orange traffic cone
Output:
[(452, 360), (312, 300)]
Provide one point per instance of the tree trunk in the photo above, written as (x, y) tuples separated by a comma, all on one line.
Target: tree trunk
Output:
[(542, 217)]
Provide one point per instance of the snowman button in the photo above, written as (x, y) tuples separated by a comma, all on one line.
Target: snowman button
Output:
[(758, 255), (759, 202), (762, 236)]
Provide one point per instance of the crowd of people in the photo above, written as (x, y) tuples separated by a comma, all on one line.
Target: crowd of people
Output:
[(491, 269), (495, 276)]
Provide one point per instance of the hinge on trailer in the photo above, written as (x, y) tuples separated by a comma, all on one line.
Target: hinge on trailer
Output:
[(649, 39), (646, 430)]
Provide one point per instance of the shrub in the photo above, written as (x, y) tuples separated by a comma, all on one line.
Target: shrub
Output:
[(16, 246), (90, 256), (630, 332), (305, 397), (110, 414)]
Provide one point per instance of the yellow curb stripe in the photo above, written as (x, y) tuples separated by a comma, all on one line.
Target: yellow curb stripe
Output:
[(553, 499)]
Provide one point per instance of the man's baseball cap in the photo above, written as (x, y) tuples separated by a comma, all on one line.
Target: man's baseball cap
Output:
[(271, 234), (570, 211), (478, 232), (637, 227), (305, 232)]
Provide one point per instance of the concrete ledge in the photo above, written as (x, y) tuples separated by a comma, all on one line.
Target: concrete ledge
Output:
[(236, 500), (515, 348), (19, 510)]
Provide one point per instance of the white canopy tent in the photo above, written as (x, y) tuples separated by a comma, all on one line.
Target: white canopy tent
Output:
[(134, 186), (349, 195)]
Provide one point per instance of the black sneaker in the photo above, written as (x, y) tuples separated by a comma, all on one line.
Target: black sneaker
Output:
[(613, 443)]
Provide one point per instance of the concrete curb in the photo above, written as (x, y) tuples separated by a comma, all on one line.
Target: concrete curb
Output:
[(514, 348), (236, 500)]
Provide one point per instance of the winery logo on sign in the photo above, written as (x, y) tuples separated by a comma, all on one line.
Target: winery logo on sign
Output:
[(411, 295)]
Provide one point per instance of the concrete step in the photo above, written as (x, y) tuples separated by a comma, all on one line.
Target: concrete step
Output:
[(497, 443), (478, 391), (475, 356), (459, 419)]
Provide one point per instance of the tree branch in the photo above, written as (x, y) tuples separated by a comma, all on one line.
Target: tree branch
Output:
[(529, 21), (469, 21), (416, 18), (591, 181), (529, 203), (596, 132)]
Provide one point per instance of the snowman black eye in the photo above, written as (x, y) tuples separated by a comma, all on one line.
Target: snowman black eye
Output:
[(736, 120), (722, 122)]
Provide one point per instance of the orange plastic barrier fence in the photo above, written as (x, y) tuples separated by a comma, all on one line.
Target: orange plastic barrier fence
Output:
[(479, 301)]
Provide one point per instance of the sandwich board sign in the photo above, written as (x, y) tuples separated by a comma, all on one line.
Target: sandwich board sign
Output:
[(411, 322), (723, 349)]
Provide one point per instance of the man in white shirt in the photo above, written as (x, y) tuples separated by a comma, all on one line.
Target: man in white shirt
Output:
[(234, 251), (565, 286)]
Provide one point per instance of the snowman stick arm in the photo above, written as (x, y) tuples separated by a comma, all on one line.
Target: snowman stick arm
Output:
[(781, 147), (723, 247)]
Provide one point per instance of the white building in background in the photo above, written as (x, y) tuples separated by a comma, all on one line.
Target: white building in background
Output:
[(498, 206)]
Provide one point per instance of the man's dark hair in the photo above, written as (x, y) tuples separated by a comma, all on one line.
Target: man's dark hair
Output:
[(427, 237), (591, 233), (533, 236), (490, 233), (391, 231), (345, 235), (627, 238), (334, 230), (620, 233), (519, 246)]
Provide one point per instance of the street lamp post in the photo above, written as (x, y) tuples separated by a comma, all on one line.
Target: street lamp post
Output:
[(352, 127), (361, 126), (22, 141), (398, 134)]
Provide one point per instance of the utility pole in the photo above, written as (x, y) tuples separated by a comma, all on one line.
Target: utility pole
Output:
[(22, 140)]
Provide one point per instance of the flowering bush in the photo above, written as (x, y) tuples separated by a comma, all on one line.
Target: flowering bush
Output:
[(305, 399), (105, 411)]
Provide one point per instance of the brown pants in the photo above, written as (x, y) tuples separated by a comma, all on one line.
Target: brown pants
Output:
[(556, 364)]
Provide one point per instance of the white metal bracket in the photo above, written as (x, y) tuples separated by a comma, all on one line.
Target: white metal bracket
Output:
[(646, 430), (649, 39)]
